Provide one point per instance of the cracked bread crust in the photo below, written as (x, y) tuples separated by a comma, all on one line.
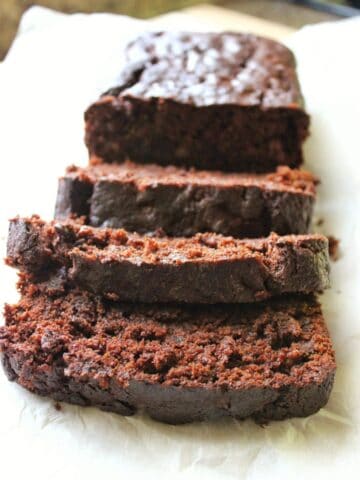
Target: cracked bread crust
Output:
[(206, 268), (147, 198), (179, 364), (210, 68), (226, 101)]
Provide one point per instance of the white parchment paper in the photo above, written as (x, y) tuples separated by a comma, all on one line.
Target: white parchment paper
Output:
[(56, 67)]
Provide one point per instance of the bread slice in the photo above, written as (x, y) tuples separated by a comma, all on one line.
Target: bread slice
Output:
[(179, 364), (214, 101), (147, 198), (206, 268)]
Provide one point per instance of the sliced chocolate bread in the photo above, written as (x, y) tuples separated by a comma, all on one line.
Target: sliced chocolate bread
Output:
[(206, 268), (213, 101), (268, 361), (146, 198)]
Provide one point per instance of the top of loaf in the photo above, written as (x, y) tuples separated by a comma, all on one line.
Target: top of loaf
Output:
[(205, 69)]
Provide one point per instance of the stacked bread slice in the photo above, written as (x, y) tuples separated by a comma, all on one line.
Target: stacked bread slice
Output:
[(178, 277)]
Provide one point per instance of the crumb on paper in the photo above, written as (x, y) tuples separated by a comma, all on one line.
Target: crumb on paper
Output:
[(333, 247)]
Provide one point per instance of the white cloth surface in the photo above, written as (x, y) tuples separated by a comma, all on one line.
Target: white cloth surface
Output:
[(57, 65)]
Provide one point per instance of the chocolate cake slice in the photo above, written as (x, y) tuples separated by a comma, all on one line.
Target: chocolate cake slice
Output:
[(146, 198), (213, 101), (268, 361), (206, 268)]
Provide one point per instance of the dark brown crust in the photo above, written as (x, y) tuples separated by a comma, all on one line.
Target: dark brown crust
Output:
[(207, 268), (73, 197), (268, 361), (185, 202), (225, 101)]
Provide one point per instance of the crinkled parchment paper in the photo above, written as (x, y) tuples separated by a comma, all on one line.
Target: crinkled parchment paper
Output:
[(56, 67)]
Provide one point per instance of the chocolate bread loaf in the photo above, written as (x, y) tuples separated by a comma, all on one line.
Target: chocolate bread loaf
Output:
[(146, 198), (268, 361), (206, 268), (223, 101)]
